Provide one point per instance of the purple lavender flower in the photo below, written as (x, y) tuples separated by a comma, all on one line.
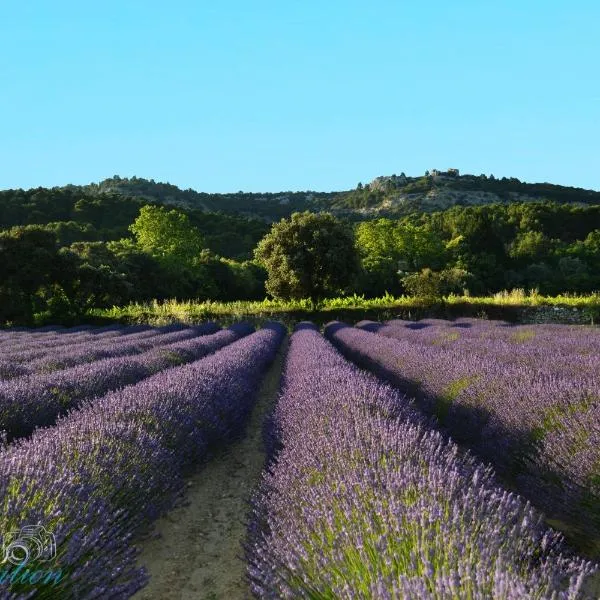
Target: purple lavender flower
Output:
[(526, 398), (363, 499), (116, 463), (38, 399)]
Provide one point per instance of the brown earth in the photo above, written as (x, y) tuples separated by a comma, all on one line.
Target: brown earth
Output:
[(197, 554)]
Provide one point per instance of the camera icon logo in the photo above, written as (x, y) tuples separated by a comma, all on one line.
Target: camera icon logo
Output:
[(30, 543)]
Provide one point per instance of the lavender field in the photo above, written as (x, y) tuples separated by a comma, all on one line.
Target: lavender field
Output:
[(527, 399), (435, 459)]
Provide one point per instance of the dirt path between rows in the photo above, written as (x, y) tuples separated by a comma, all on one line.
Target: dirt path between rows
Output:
[(198, 554)]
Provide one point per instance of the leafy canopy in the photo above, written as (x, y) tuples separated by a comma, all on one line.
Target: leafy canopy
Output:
[(308, 256), (167, 235)]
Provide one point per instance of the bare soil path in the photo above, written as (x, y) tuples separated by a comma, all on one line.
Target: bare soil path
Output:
[(198, 554)]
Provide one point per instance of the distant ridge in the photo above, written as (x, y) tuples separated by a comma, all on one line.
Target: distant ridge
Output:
[(393, 195)]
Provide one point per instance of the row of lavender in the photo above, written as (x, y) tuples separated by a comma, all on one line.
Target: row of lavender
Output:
[(526, 399), (20, 333), (518, 345), (103, 473), (18, 363), (37, 400), (12, 344), (44, 329), (539, 384), (363, 499), (33, 347)]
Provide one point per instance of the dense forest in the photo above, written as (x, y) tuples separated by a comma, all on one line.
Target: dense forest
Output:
[(76, 215), (65, 250)]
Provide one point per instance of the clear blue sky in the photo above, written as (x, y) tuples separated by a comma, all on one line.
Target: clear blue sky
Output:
[(296, 95)]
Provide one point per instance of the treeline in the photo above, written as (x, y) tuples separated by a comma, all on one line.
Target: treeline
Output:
[(63, 252), (165, 256), (267, 206), (74, 215), (547, 246)]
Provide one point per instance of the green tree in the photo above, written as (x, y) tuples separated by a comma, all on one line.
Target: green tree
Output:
[(379, 246), (308, 256), (530, 247), (436, 284), (167, 234), (540, 276), (31, 271), (378, 239), (148, 278), (101, 279), (388, 248), (414, 246), (420, 247)]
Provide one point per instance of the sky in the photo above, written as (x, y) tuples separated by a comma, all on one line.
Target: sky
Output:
[(297, 94)]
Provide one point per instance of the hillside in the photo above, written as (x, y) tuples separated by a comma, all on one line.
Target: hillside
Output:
[(74, 214), (66, 250), (268, 206), (232, 224), (436, 191), (384, 196)]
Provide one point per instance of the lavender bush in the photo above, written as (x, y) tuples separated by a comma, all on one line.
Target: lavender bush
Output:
[(363, 500), (14, 333), (132, 343), (114, 465), (14, 350), (37, 400), (525, 398), (20, 349)]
